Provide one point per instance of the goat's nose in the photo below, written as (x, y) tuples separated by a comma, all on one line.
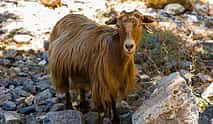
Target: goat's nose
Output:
[(129, 46)]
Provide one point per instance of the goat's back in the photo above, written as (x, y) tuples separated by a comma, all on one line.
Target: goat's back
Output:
[(76, 45)]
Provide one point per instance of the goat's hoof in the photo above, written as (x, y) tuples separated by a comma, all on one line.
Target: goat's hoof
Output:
[(69, 106)]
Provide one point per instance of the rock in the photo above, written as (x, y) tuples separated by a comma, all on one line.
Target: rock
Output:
[(3, 83), (43, 62), (144, 77), (22, 38), (27, 110), (174, 9), (63, 117), (9, 106), (40, 97), (32, 119), (45, 55), (57, 107), (132, 97), (4, 97), (185, 64), (11, 117), (125, 118), (205, 78), (91, 118), (29, 86), (171, 102), (19, 92), (201, 9), (11, 53), (208, 94), (46, 45), (42, 85), (51, 101), (123, 107), (6, 62), (41, 108), (29, 100), (206, 116), (20, 100), (188, 4)]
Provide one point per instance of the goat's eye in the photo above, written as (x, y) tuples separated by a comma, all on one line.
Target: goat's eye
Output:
[(124, 21)]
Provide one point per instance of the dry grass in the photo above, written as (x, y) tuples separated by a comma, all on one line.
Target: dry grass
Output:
[(162, 53)]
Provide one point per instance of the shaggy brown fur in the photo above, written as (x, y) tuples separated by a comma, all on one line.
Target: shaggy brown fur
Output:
[(89, 56)]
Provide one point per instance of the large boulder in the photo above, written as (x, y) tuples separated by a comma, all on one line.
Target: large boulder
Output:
[(172, 102)]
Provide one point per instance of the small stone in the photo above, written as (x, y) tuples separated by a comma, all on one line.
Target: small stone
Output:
[(174, 9), (91, 118), (29, 86), (46, 45), (11, 87), (29, 100), (192, 18), (43, 62), (45, 55), (11, 53), (123, 107), (206, 117), (11, 117), (19, 92), (205, 78), (63, 117), (40, 97), (53, 100), (20, 100), (132, 97), (4, 83), (42, 85), (126, 118), (22, 38), (4, 97), (144, 77), (27, 110), (208, 93), (40, 108), (201, 9), (22, 74), (9, 106), (57, 107), (5, 62)]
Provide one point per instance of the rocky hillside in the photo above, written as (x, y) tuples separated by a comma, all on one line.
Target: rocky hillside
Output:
[(175, 63)]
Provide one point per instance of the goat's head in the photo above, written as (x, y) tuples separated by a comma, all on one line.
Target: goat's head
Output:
[(130, 28)]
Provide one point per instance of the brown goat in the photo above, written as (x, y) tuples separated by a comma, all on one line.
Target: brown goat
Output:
[(87, 56)]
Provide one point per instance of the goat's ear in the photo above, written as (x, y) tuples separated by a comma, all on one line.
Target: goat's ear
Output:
[(111, 21), (147, 19), (147, 28)]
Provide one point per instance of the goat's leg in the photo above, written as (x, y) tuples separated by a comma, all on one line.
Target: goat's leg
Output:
[(100, 117), (84, 104), (115, 119), (68, 102)]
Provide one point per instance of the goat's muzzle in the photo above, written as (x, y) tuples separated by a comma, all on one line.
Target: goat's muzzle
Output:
[(129, 46)]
